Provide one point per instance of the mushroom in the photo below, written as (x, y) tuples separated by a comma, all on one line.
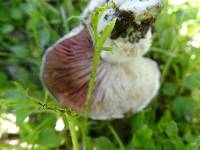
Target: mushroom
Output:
[(126, 81)]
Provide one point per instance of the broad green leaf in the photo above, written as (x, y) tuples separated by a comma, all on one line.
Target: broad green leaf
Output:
[(20, 51), (144, 135), (49, 138), (195, 143), (167, 145), (185, 107), (21, 114), (178, 143), (172, 129), (89, 143), (16, 13), (193, 81), (169, 89), (138, 121), (28, 134), (6, 28), (103, 143), (163, 123)]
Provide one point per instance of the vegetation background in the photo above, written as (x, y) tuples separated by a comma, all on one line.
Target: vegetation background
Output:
[(30, 119)]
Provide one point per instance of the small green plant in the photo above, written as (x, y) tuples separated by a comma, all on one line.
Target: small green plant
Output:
[(99, 40)]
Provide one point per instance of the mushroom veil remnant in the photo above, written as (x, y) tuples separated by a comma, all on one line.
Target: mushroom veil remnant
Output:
[(126, 81)]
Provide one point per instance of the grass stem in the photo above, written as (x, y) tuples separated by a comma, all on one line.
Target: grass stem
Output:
[(121, 145), (74, 137)]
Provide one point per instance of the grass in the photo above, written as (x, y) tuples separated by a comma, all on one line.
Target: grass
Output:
[(172, 120)]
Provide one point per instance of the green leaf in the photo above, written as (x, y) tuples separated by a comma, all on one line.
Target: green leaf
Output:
[(103, 143), (13, 94), (44, 38), (193, 81), (21, 114), (3, 78), (147, 132), (150, 145), (169, 89), (172, 129), (138, 121), (185, 107), (20, 51), (89, 143), (178, 143), (7, 28), (16, 13), (163, 123), (100, 10), (95, 26), (49, 138), (144, 135), (168, 145), (195, 143), (28, 134), (106, 33)]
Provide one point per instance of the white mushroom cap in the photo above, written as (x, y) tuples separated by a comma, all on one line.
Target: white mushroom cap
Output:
[(141, 9), (128, 86)]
